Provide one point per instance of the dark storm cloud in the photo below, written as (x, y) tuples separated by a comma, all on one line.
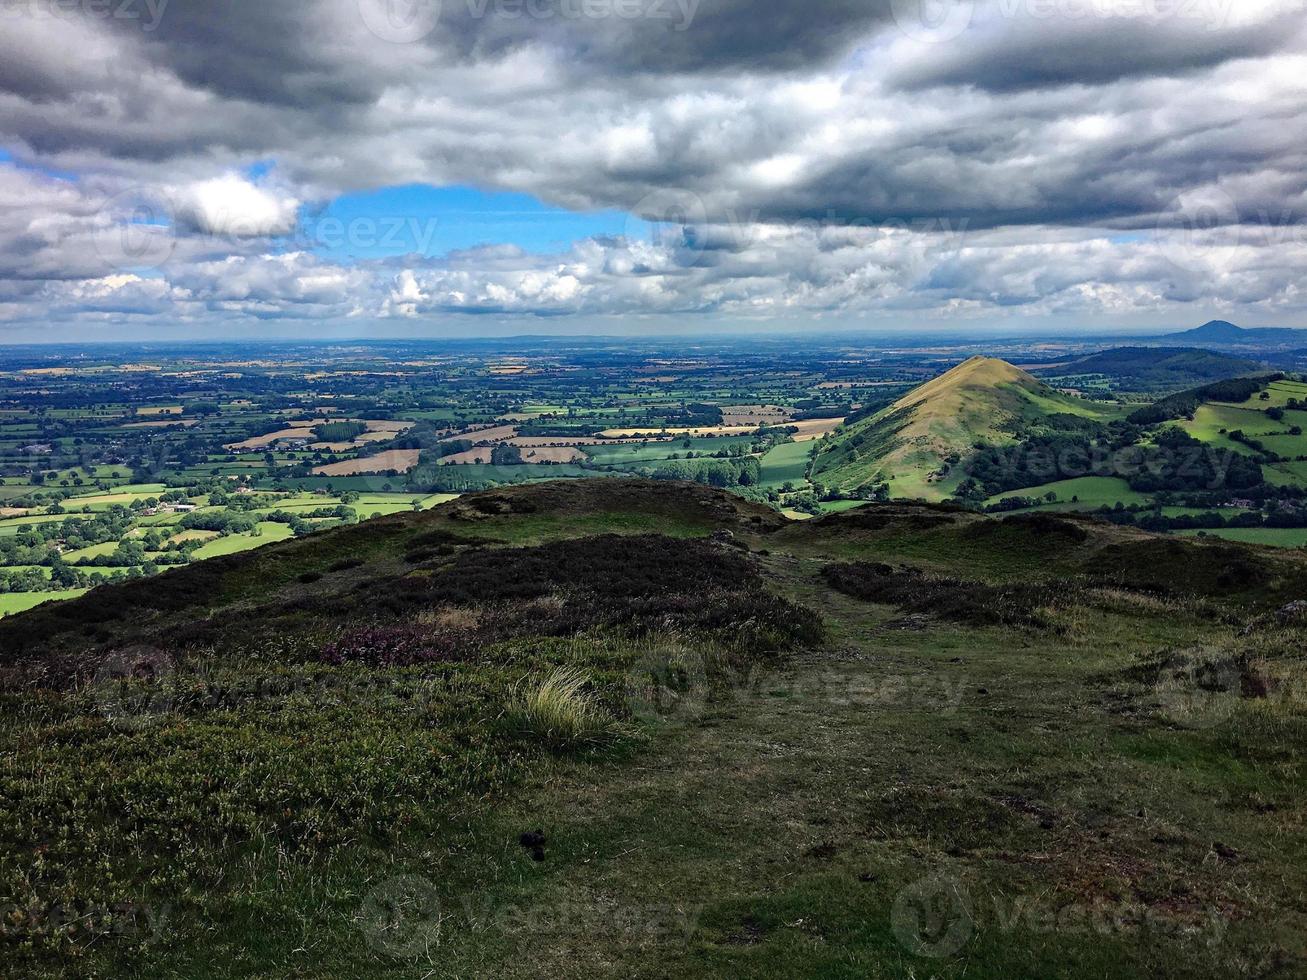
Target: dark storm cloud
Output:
[(798, 158), (1006, 55), (295, 52), (670, 36), (287, 52)]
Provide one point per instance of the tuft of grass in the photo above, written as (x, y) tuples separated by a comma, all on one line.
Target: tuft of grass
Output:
[(560, 714)]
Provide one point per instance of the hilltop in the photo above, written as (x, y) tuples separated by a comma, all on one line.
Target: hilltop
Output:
[(617, 727), (1226, 334), (1215, 331), (916, 444)]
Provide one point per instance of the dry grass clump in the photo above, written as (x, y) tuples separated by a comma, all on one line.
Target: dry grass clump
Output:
[(560, 713), (1124, 600), (451, 617)]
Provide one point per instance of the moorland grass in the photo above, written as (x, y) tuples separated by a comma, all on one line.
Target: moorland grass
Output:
[(279, 796)]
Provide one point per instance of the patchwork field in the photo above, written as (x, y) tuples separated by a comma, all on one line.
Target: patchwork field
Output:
[(393, 461)]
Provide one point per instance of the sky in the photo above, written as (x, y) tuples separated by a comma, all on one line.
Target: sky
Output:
[(174, 168)]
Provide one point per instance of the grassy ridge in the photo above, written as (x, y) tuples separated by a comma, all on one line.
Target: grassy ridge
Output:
[(349, 755)]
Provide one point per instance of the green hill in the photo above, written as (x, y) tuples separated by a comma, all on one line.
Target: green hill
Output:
[(619, 728), (915, 444), (1160, 367)]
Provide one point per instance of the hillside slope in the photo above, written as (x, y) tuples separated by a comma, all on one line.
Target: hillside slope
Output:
[(915, 444), (1159, 367), (883, 743)]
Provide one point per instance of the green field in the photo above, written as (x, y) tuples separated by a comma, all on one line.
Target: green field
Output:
[(1091, 491), (16, 602), (1286, 474), (94, 551), (232, 543), (840, 506), (617, 455), (1281, 537), (786, 463), (80, 508)]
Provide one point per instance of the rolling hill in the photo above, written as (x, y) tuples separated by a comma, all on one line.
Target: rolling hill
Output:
[(1159, 367), (619, 728), (915, 444), (1223, 333)]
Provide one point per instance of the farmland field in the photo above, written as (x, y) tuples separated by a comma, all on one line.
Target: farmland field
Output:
[(786, 463), (214, 453), (1081, 493), (1283, 537)]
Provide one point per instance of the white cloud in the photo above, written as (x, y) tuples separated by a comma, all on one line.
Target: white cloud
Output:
[(232, 205)]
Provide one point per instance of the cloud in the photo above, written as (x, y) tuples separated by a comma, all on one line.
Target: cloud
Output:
[(825, 156), (231, 205), (1010, 46)]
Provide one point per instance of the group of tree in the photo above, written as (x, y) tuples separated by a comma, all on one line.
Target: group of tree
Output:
[(741, 472), (1185, 403)]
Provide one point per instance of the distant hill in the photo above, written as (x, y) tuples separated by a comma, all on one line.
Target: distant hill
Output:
[(916, 443), (1160, 366), (1227, 334)]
